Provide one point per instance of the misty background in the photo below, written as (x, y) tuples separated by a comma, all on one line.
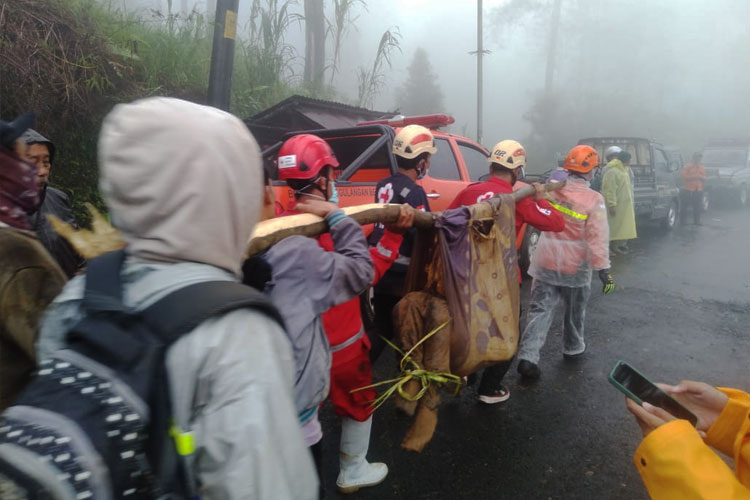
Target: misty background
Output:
[(676, 71)]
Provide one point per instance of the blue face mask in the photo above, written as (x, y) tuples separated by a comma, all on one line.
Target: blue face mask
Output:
[(334, 198)]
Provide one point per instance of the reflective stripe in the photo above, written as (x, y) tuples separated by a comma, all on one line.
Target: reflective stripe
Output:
[(403, 259), (570, 212), (384, 251), (184, 442), (348, 341)]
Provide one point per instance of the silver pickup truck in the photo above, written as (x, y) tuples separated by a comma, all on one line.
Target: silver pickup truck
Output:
[(727, 163)]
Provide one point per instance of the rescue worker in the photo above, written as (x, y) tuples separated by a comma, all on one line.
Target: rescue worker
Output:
[(351, 368), (563, 264), (507, 162), (609, 155), (694, 175), (41, 152), (618, 196), (307, 280), (412, 146), (675, 459), (29, 277)]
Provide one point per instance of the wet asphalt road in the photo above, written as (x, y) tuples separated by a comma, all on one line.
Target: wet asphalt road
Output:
[(680, 311)]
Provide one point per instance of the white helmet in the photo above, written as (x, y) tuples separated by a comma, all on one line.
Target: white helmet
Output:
[(611, 151), (413, 140), (509, 154)]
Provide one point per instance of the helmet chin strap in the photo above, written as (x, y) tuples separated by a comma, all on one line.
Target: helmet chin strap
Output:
[(304, 192)]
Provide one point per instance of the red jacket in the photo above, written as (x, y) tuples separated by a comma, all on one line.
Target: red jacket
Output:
[(539, 214), (343, 323)]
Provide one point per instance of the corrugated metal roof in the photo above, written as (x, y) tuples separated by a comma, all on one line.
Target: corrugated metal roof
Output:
[(325, 110)]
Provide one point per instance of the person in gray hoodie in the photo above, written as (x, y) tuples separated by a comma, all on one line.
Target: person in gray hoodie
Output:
[(184, 186)]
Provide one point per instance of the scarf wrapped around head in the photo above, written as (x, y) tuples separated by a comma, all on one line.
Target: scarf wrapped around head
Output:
[(19, 195)]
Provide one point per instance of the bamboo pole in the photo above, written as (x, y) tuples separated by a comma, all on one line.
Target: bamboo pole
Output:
[(270, 232)]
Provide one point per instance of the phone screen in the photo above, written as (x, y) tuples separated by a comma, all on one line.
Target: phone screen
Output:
[(645, 390)]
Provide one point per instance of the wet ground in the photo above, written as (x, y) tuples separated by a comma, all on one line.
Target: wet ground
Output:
[(680, 311)]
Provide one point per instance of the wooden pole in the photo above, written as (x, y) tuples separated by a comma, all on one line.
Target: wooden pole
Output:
[(270, 232)]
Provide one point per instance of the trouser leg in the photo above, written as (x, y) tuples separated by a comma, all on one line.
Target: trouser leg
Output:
[(575, 300), (493, 376), (542, 304), (383, 305), (317, 453), (697, 202), (685, 203)]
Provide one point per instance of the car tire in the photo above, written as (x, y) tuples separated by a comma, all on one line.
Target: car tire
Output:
[(530, 240), (668, 223)]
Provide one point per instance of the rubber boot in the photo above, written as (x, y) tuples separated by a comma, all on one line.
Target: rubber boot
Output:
[(356, 472)]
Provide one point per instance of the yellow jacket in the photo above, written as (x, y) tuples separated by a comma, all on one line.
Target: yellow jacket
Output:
[(676, 464)]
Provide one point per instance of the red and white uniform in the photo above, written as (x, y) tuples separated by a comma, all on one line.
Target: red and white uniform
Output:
[(350, 346), (539, 214)]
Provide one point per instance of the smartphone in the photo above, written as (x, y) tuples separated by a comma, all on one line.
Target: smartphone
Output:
[(638, 388)]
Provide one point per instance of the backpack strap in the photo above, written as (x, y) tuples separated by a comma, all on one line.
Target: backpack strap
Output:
[(183, 310), (103, 292)]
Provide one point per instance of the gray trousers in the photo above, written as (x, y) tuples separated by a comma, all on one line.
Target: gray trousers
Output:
[(542, 305)]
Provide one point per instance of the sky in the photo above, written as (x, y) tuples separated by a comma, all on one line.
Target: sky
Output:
[(675, 71)]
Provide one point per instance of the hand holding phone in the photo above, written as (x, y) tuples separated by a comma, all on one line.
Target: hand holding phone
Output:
[(638, 388)]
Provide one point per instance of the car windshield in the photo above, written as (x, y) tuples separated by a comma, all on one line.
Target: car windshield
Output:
[(725, 156)]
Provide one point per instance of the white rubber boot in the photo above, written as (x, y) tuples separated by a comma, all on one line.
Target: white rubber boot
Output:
[(356, 472)]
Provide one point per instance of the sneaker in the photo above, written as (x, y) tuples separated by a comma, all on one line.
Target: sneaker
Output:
[(497, 396), (574, 357), (528, 370)]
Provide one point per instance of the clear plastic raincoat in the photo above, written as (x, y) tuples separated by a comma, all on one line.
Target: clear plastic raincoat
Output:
[(567, 258)]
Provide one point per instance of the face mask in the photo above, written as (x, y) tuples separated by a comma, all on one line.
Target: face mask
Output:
[(334, 198)]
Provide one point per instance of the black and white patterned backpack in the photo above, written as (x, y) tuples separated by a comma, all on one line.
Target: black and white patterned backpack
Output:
[(95, 421)]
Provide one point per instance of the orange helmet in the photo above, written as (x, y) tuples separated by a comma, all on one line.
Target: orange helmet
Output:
[(581, 159)]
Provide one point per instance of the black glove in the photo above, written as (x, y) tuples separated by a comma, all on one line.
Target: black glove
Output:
[(608, 281)]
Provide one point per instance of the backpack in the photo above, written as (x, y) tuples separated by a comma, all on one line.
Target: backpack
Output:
[(95, 420)]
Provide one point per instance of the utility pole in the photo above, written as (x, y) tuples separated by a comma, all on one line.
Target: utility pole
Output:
[(480, 52), (222, 54), (549, 74)]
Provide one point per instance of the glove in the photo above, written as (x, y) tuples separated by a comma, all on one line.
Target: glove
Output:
[(608, 281)]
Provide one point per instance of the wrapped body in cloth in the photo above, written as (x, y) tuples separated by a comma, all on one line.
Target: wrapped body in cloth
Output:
[(464, 276)]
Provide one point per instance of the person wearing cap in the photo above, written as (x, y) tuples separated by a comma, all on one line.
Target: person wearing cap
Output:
[(29, 277), (413, 146), (309, 277), (617, 190), (563, 264), (52, 201), (507, 161)]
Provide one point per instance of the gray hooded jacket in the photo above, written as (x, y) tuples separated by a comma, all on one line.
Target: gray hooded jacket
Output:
[(184, 185)]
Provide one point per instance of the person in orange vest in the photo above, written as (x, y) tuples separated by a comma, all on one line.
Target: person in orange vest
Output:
[(694, 175), (507, 161), (675, 459)]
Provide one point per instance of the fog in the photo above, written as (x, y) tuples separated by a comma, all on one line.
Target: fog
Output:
[(675, 71)]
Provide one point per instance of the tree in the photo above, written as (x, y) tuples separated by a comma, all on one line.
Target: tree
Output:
[(421, 94)]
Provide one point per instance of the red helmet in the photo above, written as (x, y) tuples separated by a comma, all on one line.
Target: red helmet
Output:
[(304, 156)]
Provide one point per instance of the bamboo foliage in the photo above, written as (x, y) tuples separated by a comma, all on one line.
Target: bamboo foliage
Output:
[(371, 81)]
